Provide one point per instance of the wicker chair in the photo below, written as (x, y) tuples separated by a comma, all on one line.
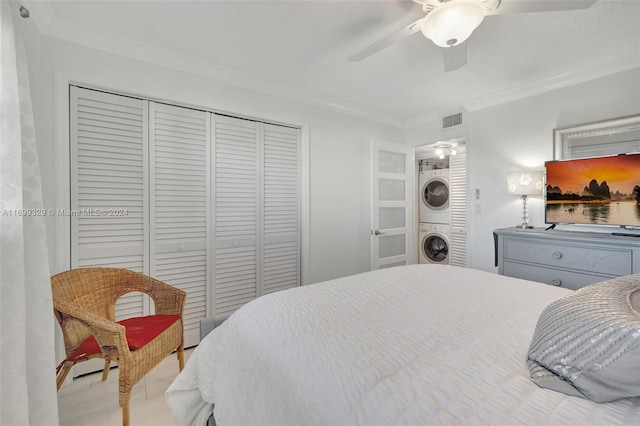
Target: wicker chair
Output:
[(84, 305)]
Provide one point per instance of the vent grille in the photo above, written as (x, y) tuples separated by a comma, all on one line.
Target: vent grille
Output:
[(452, 120)]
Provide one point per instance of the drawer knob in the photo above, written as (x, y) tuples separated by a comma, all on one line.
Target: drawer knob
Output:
[(556, 281), (557, 255)]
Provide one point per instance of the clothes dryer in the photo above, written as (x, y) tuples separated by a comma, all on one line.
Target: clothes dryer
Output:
[(434, 196), (434, 243)]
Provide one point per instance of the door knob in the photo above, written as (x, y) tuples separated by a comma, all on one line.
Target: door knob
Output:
[(377, 232)]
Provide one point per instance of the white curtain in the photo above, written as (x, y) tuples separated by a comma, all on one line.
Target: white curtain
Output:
[(27, 357)]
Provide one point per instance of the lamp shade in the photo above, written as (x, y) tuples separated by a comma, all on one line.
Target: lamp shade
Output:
[(453, 22), (525, 183)]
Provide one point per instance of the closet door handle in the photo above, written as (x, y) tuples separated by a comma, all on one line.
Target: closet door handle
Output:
[(377, 232)]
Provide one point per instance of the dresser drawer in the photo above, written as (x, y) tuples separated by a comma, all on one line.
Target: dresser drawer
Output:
[(599, 260), (557, 277)]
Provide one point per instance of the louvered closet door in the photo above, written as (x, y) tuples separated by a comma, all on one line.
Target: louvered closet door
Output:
[(236, 203), (281, 208), (179, 154), (109, 225)]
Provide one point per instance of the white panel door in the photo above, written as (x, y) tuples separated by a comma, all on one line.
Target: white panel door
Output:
[(236, 222), (109, 197), (392, 176), (179, 205), (281, 208)]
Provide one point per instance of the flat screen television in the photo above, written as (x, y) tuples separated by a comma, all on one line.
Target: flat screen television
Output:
[(594, 191)]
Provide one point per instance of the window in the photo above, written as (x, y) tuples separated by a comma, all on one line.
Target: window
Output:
[(610, 137)]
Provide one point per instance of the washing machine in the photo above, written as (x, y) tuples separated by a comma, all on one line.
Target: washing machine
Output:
[(434, 196), (434, 243)]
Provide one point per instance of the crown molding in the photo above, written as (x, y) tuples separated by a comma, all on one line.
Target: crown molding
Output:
[(600, 69), (593, 71), (61, 28)]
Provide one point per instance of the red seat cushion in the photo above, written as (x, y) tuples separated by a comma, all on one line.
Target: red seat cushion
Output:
[(139, 332)]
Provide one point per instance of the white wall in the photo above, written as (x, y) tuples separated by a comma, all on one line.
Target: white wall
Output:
[(518, 135), (338, 144)]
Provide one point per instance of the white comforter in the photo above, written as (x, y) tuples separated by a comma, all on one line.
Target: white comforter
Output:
[(419, 345)]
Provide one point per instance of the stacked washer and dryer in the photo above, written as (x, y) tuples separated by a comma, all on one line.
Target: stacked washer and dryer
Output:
[(435, 215)]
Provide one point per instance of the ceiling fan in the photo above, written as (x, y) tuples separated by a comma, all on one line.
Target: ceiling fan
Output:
[(449, 23)]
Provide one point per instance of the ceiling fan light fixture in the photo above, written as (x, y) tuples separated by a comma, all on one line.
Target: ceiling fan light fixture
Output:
[(453, 22)]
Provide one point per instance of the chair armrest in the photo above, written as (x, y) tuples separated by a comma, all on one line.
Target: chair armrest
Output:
[(169, 300), (110, 335)]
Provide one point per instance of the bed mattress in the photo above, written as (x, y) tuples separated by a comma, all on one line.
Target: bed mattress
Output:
[(420, 344)]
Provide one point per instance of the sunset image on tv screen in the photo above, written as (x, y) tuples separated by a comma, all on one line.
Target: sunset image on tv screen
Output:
[(599, 191)]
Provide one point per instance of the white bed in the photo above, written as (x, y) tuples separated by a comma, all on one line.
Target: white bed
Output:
[(420, 345)]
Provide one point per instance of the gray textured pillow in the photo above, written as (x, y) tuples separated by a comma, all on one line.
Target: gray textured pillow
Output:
[(587, 344)]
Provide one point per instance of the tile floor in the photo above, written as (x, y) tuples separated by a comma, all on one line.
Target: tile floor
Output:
[(88, 401)]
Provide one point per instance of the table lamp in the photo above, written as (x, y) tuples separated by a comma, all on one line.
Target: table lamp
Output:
[(525, 184)]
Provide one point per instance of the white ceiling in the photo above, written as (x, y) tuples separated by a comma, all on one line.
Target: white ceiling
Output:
[(299, 49)]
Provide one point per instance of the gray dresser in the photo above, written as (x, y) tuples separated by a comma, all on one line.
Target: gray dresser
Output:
[(569, 259)]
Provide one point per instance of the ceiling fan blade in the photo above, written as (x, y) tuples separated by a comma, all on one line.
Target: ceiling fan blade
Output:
[(508, 7), (454, 57), (387, 41)]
